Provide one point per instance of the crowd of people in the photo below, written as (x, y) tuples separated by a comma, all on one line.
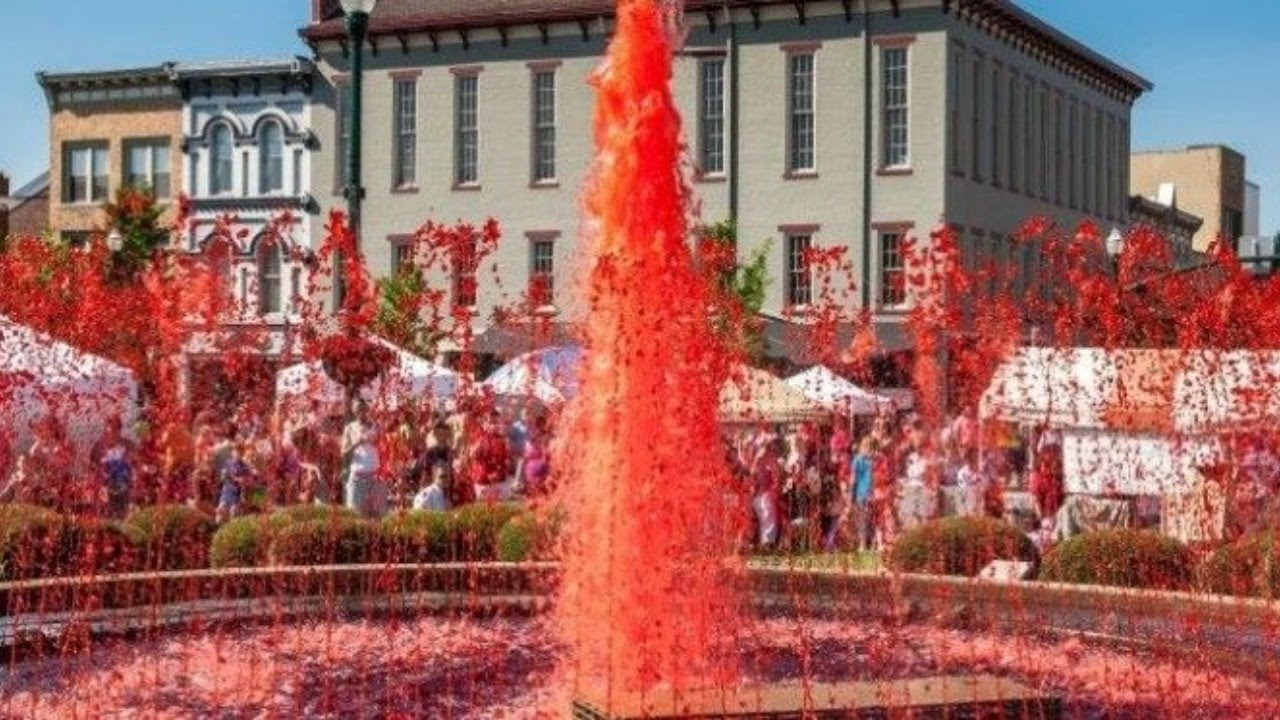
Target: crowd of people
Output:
[(858, 484), (230, 465)]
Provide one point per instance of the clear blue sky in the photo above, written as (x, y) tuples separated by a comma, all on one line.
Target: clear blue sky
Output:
[(1215, 66)]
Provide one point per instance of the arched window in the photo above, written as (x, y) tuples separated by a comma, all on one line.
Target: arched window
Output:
[(220, 164), (269, 277), (271, 159)]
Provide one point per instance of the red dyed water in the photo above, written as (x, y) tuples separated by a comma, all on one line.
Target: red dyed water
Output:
[(648, 592)]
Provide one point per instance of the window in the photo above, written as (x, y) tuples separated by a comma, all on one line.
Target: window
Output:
[(297, 171), (147, 166), (800, 141), (1045, 155), (76, 238), (976, 120), (86, 173), (1112, 191), (401, 257), (893, 287), (1028, 135), (711, 119), (220, 163), (799, 275), (406, 133), (544, 126), (1016, 160), (1059, 141), (897, 134), (467, 140), (542, 263), (464, 268), (295, 289), (957, 73), (1097, 152), (1123, 159), (271, 159), (997, 111), (269, 277), (342, 133), (1073, 155)]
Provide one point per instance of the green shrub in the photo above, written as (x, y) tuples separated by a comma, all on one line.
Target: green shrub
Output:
[(101, 548), (242, 542), (304, 513), (959, 546), (475, 530), (1120, 558), (173, 537), (1249, 566), (34, 542), (529, 537), (322, 542), (420, 536)]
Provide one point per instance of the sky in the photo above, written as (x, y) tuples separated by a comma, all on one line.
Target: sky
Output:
[(1214, 66)]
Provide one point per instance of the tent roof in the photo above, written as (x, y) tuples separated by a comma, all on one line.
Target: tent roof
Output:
[(823, 386), (26, 350), (753, 395), (1186, 391)]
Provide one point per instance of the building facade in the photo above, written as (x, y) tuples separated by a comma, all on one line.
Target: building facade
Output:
[(1162, 214), (813, 124), (246, 151), (28, 213), (1252, 208), (109, 129), (1211, 184)]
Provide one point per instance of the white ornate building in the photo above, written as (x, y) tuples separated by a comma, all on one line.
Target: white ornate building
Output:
[(247, 148)]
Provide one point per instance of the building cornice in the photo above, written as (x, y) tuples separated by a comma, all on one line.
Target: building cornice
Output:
[(400, 19)]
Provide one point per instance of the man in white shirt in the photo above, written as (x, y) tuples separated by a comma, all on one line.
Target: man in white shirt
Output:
[(360, 451), (434, 496)]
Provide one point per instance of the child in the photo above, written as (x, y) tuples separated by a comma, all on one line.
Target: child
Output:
[(235, 474), (434, 496)]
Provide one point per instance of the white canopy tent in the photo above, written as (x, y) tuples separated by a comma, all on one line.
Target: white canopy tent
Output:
[(1137, 422), (824, 387), (307, 384), (40, 376)]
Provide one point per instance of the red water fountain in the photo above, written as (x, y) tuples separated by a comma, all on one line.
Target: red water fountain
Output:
[(648, 594)]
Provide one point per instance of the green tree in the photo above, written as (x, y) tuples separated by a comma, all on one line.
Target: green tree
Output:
[(136, 216), (404, 300), (743, 285)]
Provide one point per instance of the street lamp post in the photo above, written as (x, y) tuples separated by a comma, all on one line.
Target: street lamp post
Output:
[(357, 18)]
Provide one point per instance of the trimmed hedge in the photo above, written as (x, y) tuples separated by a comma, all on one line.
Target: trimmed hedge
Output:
[(1120, 558), (529, 537), (476, 527), (1249, 566), (241, 542), (102, 548), (421, 536), (36, 542), (322, 542), (172, 537), (33, 542), (959, 546)]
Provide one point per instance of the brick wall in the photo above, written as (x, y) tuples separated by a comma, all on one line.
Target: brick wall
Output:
[(112, 123)]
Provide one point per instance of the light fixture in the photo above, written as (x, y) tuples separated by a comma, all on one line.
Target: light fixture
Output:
[(1115, 243), (351, 7), (115, 241)]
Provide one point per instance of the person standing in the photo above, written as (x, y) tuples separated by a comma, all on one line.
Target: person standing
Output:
[(113, 458), (766, 471), (490, 462), (434, 497), (863, 487), (360, 455)]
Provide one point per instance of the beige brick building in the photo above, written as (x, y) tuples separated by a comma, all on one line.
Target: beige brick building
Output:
[(812, 124), (109, 129), (1210, 183)]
